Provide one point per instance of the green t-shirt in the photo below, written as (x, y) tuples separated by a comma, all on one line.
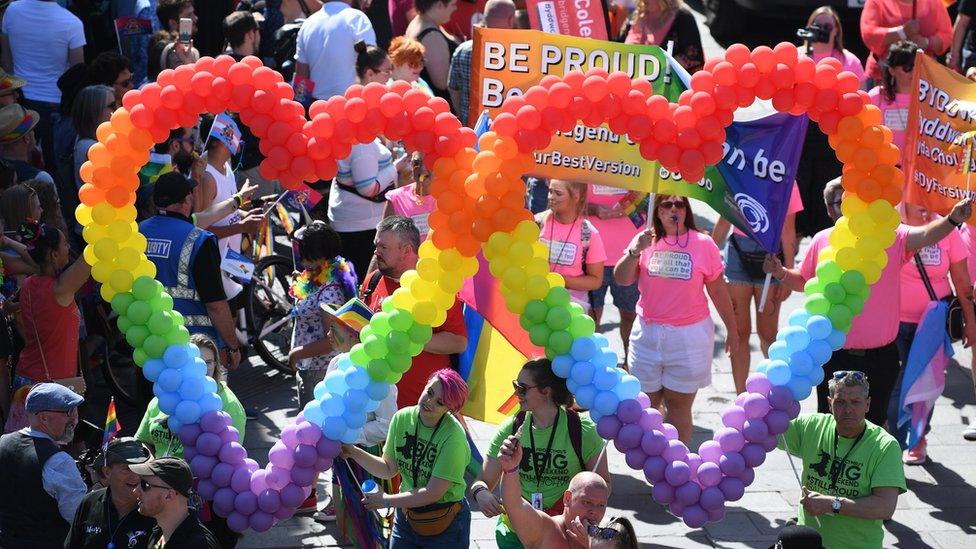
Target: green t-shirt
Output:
[(444, 454), (153, 429), (874, 463)]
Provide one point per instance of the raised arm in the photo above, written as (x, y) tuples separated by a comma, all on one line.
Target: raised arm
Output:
[(526, 521), (920, 237), (70, 281)]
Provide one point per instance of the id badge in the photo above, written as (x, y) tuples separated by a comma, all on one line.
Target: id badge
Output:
[(537, 500)]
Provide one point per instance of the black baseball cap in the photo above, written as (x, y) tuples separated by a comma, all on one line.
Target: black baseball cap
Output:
[(172, 470), (125, 450), (172, 187)]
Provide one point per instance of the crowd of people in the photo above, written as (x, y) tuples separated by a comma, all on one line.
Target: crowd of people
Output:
[(545, 475)]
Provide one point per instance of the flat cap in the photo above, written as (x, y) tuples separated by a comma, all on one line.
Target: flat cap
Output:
[(52, 396)]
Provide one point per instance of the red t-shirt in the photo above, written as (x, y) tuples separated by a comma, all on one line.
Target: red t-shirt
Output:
[(412, 383), (56, 328)]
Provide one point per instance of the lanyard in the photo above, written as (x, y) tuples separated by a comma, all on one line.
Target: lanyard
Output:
[(536, 466), (838, 466), (415, 458)]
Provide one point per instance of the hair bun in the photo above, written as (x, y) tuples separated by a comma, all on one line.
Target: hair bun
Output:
[(360, 47), (29, 230)]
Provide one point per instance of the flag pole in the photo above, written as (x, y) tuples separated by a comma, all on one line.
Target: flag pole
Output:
[(765, 291)]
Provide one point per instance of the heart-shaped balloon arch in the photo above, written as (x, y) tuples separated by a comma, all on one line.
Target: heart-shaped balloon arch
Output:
[(480, 207)]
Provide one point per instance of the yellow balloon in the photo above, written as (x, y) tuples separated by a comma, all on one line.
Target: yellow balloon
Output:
[(852, 205), (428, 268), (128, 259), (826, 254), (871, 272), (469, 267), (94, 232), (848, 259), (120, 280), (119, 230), (83, 214), (514, 278), (537, 267), (408, 278), (556, 280), (516, 302), (520, 253), (537, 286), (451, 284), (526, 231), (106, 249), (107, 293), (424, 312), (498, 266), (498, 243), (450, 260), (861, 224), (103, 213), (402, 299), (126, 213), (443, 301), (439, 317), (427, 249), (101, 271), (146, 268)]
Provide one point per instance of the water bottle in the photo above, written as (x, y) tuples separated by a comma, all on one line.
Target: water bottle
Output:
[(370, 486)]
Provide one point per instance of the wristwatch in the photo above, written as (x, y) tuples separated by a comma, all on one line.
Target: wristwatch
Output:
[(953, 222), (835, 505), (633, 253)]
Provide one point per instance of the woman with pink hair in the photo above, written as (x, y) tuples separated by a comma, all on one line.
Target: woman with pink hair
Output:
[(427, 445)]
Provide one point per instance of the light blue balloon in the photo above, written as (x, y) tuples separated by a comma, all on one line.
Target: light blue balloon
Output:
[(606, 402), (763, 365), (193, 351), (188, 411), (194, 368), (209, 385), (801, 363), (319, 391), (778, 372), (562, 365), (819, 327), (152, 368), (372, 405), (572, 386), (170, 379), (168, 401), (796, 338), (175, 355), (585, 395), (605, 379), (583, 349), (334, 428), (332, 405), (336, 382), (191, 389), (628, 388), (210, 402), (350, 436), (800, 387), (798, 317), (313, 413), (836, 339), (357, 378), (354, 420), (174, 424), (608, 359), (377, 390), (355, 400), (601, 341), (816, 376), (779, 351), (582, 372), (819, 351)]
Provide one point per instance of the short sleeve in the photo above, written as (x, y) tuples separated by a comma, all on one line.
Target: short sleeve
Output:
[(796, 203), (389, 448), (77, 37), (142, 433), (365, 30), (890, 472), (710, 259), (901, 240), (957, 249), (300, 55), (455, 321), (595, 252), (452, 456), (791, 439), (504, 430), (808, 268), (593, 443)]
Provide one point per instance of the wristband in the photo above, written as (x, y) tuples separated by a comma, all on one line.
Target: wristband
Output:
[(900, 31), (478, 488), (512, 470), (238, 199), (633, 253), (953, 222)]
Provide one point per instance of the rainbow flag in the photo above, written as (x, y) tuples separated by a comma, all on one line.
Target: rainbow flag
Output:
[(112, 425)]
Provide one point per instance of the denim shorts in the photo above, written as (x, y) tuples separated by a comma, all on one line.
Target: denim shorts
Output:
[(735, 272), (624, 297), (457, 535)]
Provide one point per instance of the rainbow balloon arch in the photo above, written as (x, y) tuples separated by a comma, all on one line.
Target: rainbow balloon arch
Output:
[(479, 199)]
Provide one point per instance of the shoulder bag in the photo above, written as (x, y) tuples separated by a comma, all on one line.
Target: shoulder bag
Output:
[(76, 383), (954, 321)]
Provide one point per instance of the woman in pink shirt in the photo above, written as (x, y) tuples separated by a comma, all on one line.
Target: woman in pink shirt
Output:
[(827, 19), (892, 96), (575, 247), (674, 265), (413, 200), (968, 235), (884, 22), (943, 261)]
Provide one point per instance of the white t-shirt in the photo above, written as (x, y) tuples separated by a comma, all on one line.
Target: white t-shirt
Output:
[(368, 165), (40, 35), (326, 43), (226, 187)]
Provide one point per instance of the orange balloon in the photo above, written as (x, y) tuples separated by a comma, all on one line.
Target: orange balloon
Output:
[(870, 115), (103, 131), (90, 195), (850, 127), (87, 171), (99, 155)]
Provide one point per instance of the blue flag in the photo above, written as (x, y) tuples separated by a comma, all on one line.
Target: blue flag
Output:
[(481, 126)]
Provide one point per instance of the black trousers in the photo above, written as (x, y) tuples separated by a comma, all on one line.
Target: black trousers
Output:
[(880, 364), (358, 248)]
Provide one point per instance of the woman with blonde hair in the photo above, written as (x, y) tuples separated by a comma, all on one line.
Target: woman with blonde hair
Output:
[(829, 41), (407, 56), (661, 21)]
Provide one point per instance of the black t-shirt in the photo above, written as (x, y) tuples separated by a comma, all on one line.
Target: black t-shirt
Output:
[(968, 8), (190, 534), (97, 523), (206, 268)]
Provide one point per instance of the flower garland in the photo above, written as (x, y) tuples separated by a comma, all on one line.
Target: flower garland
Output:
[(336, 270)]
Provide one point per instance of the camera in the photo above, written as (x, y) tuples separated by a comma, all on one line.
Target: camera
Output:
[(814, 33)]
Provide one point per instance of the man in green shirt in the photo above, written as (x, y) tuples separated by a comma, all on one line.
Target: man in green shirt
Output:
[(852, 469)]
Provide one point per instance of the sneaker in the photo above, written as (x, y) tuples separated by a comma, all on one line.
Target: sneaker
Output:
[(917, 455), (309, 506), (970, 432), (326, 514)]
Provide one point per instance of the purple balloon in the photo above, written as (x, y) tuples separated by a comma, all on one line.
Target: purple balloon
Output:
[(676, 451), (753, 454), (732, 464), (755, 430), (305, 455), (607, 427), (694, 516), (289, 436), (308, 434), (654, 469), (292, 496), (694, 461), (251, 465), (709, 474), (732, 488), (630, 436), (653, 443), (635, 458), (237, 522), (769, 444), (240, 481), (223, 501), (206, 489), (284, 513), (747, 476), (669, 431), (212, 422), (780, 397), (755, 405), (201, 466), (716, 515), (323, 464), (688, 493), (232, 453), (303, 476), (710, 451), (676, 508), (663, 493), (733, 417), (261, 521), (730, 439), (221, 475), (231, 434), (189, 434), (758, 383), (643, 400), (246, 503), (677, 473), (712, 498), (189, 452), (278, 477), (740, 399), (328, 448), (269, 501), (208, 444), (259, 482), (777, 421), (282, 455), (651, 418), (629, 411), (794, 409)]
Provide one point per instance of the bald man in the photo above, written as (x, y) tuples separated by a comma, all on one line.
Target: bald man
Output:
[(499, 14), (584, 504)]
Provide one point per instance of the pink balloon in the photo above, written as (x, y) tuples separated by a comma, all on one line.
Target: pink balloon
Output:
[(710, 451), (278, 477), (289, 436), (755, 405), (259, 481), (709, 474), (734, 417), (670, 431), (730, 439), (758, 383), (281, 455)]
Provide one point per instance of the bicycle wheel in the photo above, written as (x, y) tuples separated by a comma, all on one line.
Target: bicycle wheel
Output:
[(268, 311), (106, 350)]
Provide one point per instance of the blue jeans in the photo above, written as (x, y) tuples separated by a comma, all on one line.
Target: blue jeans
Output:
[(457, 535)]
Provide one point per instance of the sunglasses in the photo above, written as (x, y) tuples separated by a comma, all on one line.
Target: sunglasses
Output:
[(145, 486), (598, 532), (124, 83), (522, 388), (853, 374), (668, 204)]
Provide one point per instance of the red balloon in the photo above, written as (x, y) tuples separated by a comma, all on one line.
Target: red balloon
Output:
[(221, 89), (414, 99), (783, 100), (805, 69), (297, 144), (241, 96), (400, 87), (186, 118), (618, 124), (201, 82), (688, 138), (356, 90), (847, 82), (712, 152), (164, 118), (595, 88), (140, 116), (691, 161), (825, 76), (619, 84), (765, 89), (150, 95), (239, 74), (423, 119), (279, 132), (560, 95), (446, 123), (685, 117), (724, 73), (829, 121), (649, 149), (259, 125), (284, 90), (850, 104), (222, 65), (702, 81), (399, 126), (574, 79), (267, 171), (738, 54), (745, 96), (826, 99), (182, 77), (204, 64), (764, 59), (657, 107), (703, 103), (504, 125), (279, 158), (264, 78), (537, 96), (326, 169), (528, 117), (786, 53), (356, 110), (668, 154), (664, 131), (302, 167), (805, 94), (783, 76), (373, 93), (390, 104), (165, 78), (263, 102), (214, 105), (748, 75)]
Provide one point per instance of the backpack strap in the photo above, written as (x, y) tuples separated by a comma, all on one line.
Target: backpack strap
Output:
[(585, 232), (575, 426), (371, 283)]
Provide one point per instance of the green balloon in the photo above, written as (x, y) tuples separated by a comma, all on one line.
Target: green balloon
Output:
[(558, 297), (121, 302), (397, 342), (179, 336), (400, 320), (136, 335), (387, 306), (582, 326), (813, 286), (374, 347), (834, 292), (816, 304), (393, 378), (359, 357), (139, 357), (420, 333), (539, 335), (380, 324), (840, 316), (535, 312), (828, 271), (855, 303), (377, 369), (160, 323), (162, 302), (560, 342), (853, 282), (123, 323), (144, 288), (416, 349), (366, 332), (558, 318), (154, 346), (400, 362), (138, 312)]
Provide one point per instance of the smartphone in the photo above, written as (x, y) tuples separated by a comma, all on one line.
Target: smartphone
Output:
[(186, 30)]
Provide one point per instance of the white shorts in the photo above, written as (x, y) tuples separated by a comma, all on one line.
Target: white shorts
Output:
[(678, 358)]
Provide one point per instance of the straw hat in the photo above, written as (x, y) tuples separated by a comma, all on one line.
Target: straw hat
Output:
[(8, 82), (15, 122)]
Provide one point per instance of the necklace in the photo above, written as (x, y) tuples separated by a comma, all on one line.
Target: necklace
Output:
[(338, 270), (677, 239), (565, 240)]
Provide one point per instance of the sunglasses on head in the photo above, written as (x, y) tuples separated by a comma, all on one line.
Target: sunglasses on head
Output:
[(522, 388), (854, 374), (668, 204)]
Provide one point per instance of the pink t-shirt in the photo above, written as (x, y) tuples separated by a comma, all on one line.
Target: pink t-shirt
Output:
[(565, 243), (848, 60), (418, 208), (795, 205), (894, 115), (936, 258), (617, 232), (672, 276), (968, 236), (877, 325)]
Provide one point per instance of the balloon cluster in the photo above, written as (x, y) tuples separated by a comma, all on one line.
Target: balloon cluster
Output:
[(479, 197)]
